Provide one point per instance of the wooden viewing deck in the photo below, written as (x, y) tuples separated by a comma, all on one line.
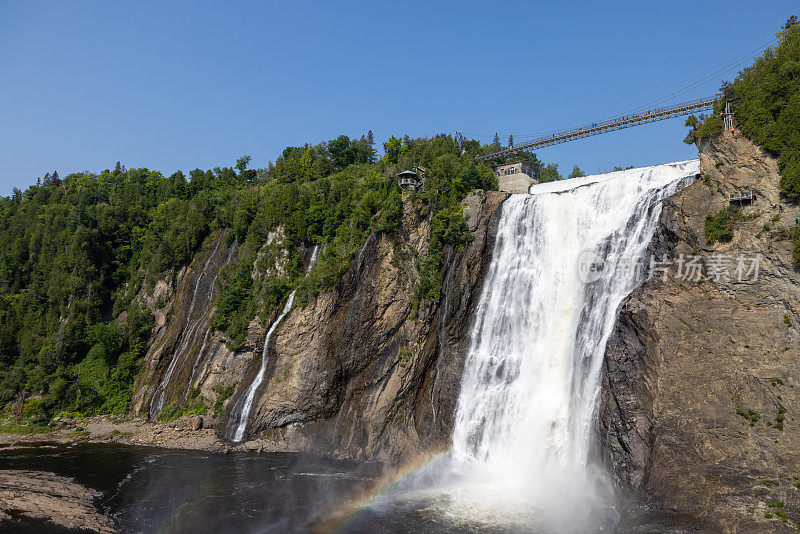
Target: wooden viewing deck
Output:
[(741, 196)]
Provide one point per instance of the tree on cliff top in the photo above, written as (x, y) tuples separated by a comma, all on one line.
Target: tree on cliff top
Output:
[(766, 102), (576, 172), (549, 173)]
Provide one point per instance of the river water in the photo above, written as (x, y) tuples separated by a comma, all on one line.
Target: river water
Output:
[(151, 490), (159, 490)]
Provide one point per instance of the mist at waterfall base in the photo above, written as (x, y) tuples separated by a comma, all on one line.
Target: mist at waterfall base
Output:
[(524, 454)]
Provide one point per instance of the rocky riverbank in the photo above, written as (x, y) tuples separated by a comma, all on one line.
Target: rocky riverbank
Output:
[(40, 499), (189, 432)]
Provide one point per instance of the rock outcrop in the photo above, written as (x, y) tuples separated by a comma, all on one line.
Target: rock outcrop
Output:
[(700, 404), (182, 340), (50, 500)]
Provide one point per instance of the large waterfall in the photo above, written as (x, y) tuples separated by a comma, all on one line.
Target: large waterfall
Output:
[(527, 408)]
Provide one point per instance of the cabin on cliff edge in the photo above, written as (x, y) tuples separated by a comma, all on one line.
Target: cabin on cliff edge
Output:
[(410, 181)]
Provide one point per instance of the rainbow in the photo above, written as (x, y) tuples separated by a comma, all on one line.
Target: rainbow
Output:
[(392, 478)]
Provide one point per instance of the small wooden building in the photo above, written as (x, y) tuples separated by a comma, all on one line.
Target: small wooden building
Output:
[(409, 181), (742, 195)]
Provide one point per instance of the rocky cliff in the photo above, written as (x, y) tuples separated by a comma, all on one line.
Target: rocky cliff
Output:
[(361, 371), (698, 415)]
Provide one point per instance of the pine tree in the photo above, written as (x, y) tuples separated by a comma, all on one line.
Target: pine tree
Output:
[(371, 142), (511, 141), (496, 140), (242, 163), (576, 172)]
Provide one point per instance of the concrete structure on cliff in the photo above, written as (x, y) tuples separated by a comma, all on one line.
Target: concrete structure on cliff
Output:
[(516, 177)]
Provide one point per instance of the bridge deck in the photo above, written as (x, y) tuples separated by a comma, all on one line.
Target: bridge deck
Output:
[(618, 123)]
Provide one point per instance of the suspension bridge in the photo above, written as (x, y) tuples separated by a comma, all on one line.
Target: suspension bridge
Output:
[(610, 125)]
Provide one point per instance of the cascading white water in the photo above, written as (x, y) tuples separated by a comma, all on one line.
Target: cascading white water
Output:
[(526, 411), (210, 299), (157, 401), (240, 413)]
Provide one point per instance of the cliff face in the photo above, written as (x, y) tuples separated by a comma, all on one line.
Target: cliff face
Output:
[(183, 346), (698, 415), (355, 372), (358, 372)]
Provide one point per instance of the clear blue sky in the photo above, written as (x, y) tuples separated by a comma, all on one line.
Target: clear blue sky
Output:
[(178, 85)]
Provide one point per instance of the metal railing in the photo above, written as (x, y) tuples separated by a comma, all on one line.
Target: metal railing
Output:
[(741, 196), (617, 123)]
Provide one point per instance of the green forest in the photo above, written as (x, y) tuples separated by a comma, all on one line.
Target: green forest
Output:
[(75, 252), (766, 103)]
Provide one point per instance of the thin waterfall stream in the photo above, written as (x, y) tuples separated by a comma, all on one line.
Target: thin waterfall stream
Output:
[(157, 401), (240, 413), (202, 350)]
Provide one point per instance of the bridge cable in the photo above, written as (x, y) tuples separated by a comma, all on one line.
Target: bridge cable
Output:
[(753, 53), (521, 139)]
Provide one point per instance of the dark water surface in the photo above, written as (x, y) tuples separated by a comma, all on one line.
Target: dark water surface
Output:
[(158, 490), (173, 491)]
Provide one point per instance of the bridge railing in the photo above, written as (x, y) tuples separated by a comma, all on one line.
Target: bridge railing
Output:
[(612, 124)]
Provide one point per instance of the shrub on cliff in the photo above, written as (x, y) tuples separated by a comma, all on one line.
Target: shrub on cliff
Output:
[(719, 226), (701, 127), (796, 247), (790, 177)]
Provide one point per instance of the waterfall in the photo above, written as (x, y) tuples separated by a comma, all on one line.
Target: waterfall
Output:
[(199, 357), (526, 412), (237, 423), (157, 401)]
